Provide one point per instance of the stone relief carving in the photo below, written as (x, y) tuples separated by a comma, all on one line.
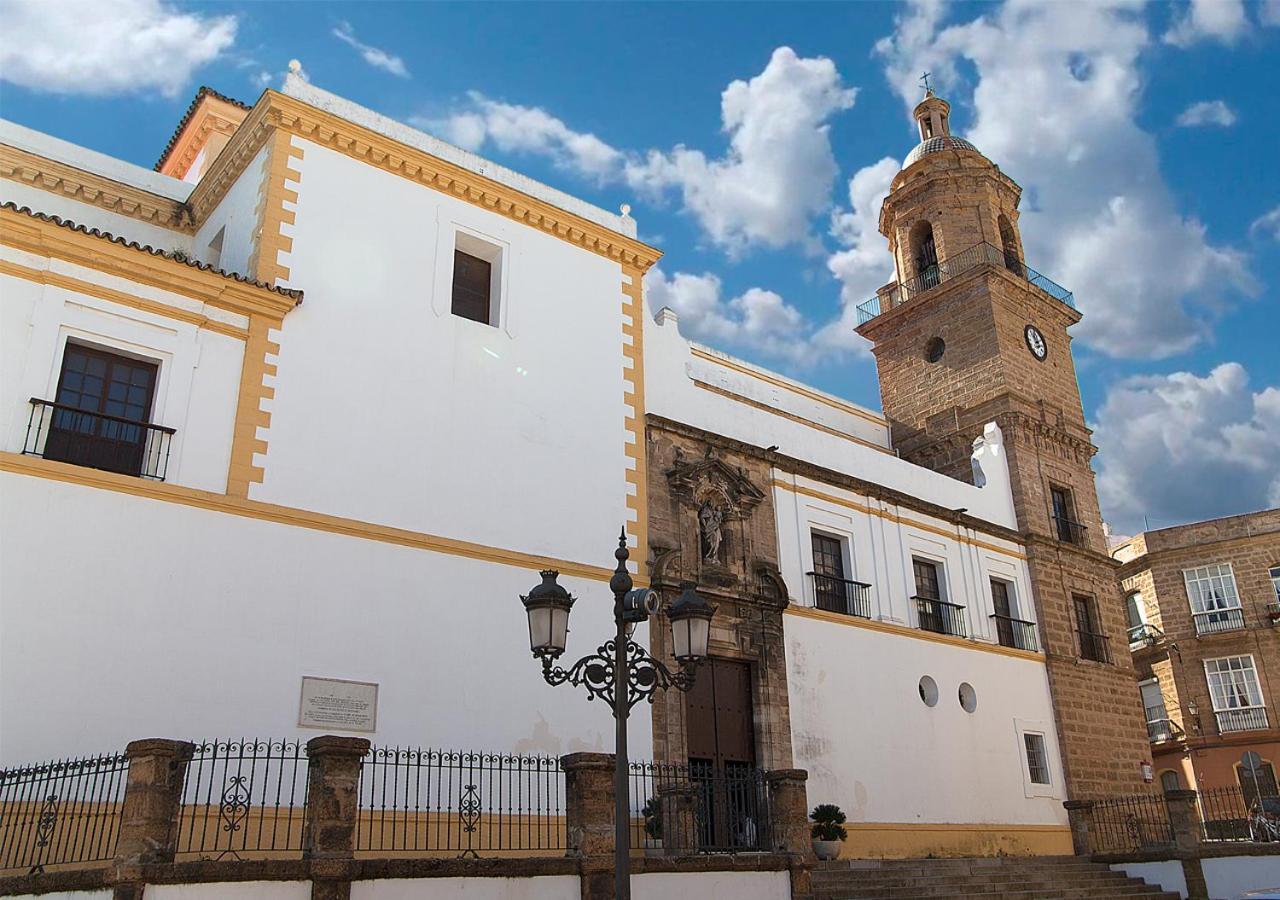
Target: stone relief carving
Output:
[(710, 518)]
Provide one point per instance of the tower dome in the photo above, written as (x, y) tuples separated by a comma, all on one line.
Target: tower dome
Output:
[(933, 116)]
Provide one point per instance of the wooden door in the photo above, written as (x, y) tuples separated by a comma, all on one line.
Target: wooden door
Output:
[(721, 743)]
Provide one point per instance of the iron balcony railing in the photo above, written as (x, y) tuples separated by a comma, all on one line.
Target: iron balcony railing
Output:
[(851, 598), (1250, 718), (982, 254), (1159, 726), (1144, 635), (1217, 620), (65, 434), (940, 617), (1069, 531), (1094, 646), (1017, 633)]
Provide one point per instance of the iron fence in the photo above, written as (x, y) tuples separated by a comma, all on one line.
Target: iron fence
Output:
[(61, 812), (460, 803), (66, 434), (1126, 824), (1094, 646), (682, 810), (940, 617), (243, 799), (1235, 814), (852, 598), (1017, 633)]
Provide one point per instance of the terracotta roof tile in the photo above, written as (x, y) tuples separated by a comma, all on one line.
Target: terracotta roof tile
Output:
[(175, 255), (205, 91)]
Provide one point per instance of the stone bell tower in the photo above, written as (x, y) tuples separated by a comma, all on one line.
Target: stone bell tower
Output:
[(968, 334)]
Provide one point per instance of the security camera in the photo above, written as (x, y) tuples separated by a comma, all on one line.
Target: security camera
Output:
[(639, 604)]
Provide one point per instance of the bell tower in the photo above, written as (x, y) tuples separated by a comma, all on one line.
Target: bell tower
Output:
[(967, 334)]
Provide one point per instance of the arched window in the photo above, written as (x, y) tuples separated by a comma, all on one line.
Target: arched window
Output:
[(1169, 781), (924, 253), (1009, 243)]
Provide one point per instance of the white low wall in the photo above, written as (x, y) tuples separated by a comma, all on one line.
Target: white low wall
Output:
[(244, 890), (1231, 877), (104, 894), (1166, 873), (700, 885), (548, 887)]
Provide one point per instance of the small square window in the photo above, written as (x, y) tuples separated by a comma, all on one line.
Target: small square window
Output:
[(477, 279), (1037, 757)]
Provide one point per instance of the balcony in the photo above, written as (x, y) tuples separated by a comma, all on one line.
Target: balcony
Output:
[(1016, 633), (1216, 621), (1252, 718), (850, 598), (1144, 635), (966, 260), (940, 617), (1068, 531), (1095, 647), (1160, 727), (97, 441)]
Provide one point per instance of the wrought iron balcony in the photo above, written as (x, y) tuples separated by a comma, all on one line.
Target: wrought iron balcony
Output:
[(940, 617), (1215, 621), (851, 598), (1252, 718), (1068, 530), (1017, 633), (983, 254), (1096, 647), (1144, 635), (1159, 726), (66, 434)]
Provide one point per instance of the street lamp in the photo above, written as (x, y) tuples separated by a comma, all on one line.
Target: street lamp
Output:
[(620, 672)]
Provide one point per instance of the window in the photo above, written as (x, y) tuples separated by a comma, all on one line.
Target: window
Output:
[(1275, 581), (935, 613), (1169, 781), (101, 411), (1236, 696), (927, 587), (1215, 603), (828, 573), (1037, 757), (213, 256), (1256, 781), (924, 254), (1009, 244), (472, 281), (1064, 518), (1093, 643), (1010, 630), (1159, 727)]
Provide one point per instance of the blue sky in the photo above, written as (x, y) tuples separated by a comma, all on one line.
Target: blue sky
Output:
[(754, 142)]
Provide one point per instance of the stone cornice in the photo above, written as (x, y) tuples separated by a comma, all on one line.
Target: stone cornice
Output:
[(95, 190), (1151, 557), (275, 110), (1018, 428), (1043, 542), (211, 112)]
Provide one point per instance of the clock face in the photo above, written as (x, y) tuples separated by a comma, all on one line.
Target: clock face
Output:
[(1036, 343)]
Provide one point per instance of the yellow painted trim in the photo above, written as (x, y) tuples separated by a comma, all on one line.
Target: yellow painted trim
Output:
[(213, 115), (794, 388), (894, 840), (95, 190), (276, 111), (635, 444), (42, 238), (36, 467), (808, 423), (250, 416), (953, 826), (66, 282), (894, 517), (822, 615)]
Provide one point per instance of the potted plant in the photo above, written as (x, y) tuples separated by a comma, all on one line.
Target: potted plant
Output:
[(652, 812), (828, 830)]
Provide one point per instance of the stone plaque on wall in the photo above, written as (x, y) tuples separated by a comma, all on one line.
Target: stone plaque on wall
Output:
[(338, 705)]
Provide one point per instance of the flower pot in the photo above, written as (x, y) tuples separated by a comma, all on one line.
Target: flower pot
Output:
[(826, 849)]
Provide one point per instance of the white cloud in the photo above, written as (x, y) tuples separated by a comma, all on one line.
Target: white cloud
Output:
[(756, 319), (1219, 20), (778, 170), (529, 129), (374, 56), (1182, 447), (1207, 112), (1267, 224), (90, 47), (261, 80), (1269, 12), (1055, 104)]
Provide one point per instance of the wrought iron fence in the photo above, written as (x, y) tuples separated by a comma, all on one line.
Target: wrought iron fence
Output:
[(940, 617), (460, 803), (1094, 646), (1069, 531), (852, 598), (1017, 633), (61, 812), (1125, 824), (954, 266), (682, 810), (1236, 814), (243, 799), (67, 434)]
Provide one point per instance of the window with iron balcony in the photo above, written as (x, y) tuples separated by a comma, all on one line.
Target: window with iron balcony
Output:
[(1215, 602), (1236, 694), (1011, 631), (832, 591), (1063, 517), (933, 612), (1094, 645)]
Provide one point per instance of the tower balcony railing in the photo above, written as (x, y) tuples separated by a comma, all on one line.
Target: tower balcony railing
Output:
[(839, 595), (982, 254)]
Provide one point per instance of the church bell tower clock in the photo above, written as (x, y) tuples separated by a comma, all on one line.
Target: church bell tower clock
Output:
[(968, 334)]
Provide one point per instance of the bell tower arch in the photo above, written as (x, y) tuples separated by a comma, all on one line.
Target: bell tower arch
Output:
[(966, 334)]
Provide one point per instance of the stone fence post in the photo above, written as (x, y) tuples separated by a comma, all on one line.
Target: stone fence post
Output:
[(1184, 820), (789, 811), (677, 805), (333, 777), (589, 819), (152, 801), (1079, 815)]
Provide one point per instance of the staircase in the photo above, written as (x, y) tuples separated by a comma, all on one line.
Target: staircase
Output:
[(988, 878)]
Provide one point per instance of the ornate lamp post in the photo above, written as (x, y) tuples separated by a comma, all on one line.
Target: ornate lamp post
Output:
[(620, 672)]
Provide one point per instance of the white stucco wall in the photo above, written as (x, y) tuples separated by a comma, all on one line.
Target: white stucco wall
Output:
[(199, 372), (546, 887), (1233, 876), (231, 890), (699, 885), (874, 748), (180, 622), (237, 213), (390, 409)]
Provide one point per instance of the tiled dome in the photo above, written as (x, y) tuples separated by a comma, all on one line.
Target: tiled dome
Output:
[(936, 145)]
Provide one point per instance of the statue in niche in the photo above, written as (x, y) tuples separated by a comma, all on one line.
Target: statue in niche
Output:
[(710, 518)]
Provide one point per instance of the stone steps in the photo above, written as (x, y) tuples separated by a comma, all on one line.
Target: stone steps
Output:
[(997, 878)]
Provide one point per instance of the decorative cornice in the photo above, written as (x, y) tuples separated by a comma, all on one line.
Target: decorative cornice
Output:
[(275, 110), (204, 93), (51, 236), (95, 190)]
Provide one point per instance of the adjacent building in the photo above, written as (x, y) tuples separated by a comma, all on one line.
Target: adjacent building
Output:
[(1204, 627)]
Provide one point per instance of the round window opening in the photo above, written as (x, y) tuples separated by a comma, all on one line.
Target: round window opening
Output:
[(929, 691), (968, 697), (934, 349)]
